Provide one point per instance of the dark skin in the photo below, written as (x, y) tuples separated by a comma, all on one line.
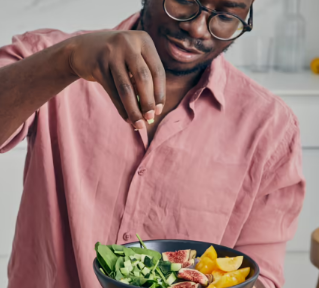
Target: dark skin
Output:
[(160, 25), (107, 58), (97, 57)]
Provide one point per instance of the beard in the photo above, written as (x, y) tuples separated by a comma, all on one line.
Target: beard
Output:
[(181, 36)]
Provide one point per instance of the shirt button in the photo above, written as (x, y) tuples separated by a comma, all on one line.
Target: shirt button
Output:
[(141, 171), (126, 236)]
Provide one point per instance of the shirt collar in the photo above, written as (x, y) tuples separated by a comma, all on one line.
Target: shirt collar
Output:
[(214, 77), (214, 80)]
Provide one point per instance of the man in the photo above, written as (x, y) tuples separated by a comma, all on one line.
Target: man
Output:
[(221, 163)]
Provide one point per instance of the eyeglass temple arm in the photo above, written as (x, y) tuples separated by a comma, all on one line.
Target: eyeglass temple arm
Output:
[(250, 20)]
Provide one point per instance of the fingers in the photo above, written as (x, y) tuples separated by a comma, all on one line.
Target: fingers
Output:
[(138, 70), (104, 77), (157, 71), (126, 93), (142, 78)]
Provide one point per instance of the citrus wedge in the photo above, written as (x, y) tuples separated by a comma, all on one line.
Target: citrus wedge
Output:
[(229, 264), (206, 265), (229, 280), (244, 271), (314, 66), (210, 253)]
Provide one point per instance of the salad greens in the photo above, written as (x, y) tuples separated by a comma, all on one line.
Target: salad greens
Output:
[(136, 266)]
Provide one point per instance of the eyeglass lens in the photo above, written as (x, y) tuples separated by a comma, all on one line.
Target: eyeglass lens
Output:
[(221, 26)]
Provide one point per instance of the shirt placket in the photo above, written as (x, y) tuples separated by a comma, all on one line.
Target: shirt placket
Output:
[(136, 206)]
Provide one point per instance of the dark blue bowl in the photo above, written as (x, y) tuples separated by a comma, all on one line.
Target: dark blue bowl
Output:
[(174, 245)]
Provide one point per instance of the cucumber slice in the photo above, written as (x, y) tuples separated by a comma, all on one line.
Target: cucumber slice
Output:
[(141, 265), (136, 273), (176, 266), (126, 281), (126, 258), (125, 271), (171, 279), (134, 264), (154, 285), (128, 266), (137, 256), (146, 271)]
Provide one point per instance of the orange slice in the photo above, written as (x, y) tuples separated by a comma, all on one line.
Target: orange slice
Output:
[(210, 253), (229, 264), (229, 280), (314, 66), (245, 272)]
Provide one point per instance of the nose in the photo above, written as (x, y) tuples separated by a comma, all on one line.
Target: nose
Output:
[(197, 28)]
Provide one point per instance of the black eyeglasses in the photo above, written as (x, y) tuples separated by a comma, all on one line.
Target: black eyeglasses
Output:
[(222, 25)]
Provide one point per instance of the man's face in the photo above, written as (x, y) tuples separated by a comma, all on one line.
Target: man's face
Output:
[(171, 36)]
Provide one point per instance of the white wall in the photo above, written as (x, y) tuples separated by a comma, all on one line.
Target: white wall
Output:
[(265, 16)]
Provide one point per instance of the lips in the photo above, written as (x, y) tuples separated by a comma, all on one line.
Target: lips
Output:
[(181, 53)]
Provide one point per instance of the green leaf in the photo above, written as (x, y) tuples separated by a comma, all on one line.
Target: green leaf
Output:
[(117, 247), (138, 281), (165, 266), (119, 264), (128, 252), (118, 275), (148, 262), (154, 285), (106, 257), (154, 254)]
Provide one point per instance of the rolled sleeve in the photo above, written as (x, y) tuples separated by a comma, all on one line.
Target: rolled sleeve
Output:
[(22, 47), (273, 218)]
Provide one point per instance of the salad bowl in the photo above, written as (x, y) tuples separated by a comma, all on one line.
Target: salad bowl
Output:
[(175, 245)]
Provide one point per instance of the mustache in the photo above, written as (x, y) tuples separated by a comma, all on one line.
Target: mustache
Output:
[(183, 36)]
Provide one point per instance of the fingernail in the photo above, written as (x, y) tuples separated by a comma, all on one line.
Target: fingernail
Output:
[(159, 109), (140, 124), (149, 115)]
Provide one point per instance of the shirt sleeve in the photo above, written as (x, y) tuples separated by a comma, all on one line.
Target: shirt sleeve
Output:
[(273, 218), (23, 46)]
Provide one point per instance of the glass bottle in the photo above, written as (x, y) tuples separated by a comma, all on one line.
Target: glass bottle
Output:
[(290, 38)]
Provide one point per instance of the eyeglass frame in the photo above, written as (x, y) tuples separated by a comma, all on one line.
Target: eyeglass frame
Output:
[(248, 27)]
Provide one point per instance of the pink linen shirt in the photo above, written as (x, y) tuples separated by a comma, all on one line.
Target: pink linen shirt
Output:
[(223, 167)]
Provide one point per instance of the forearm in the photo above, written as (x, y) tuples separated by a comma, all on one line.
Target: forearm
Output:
[(27, 84)]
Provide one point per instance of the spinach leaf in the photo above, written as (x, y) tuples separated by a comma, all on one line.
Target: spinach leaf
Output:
[(165, 267), (128, 251), (106, 257), (149, 283), (138, 281), (117, 247), (148, 262), (154, 254), (119, 264), (118, 275)]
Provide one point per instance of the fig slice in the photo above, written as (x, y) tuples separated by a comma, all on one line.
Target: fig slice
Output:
[(192, 254), (180, 256), (210, 278), (185, 285), (193, 275), (188, 263)]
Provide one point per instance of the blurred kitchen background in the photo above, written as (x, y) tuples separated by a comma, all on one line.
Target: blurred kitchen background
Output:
[(253, 53)]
